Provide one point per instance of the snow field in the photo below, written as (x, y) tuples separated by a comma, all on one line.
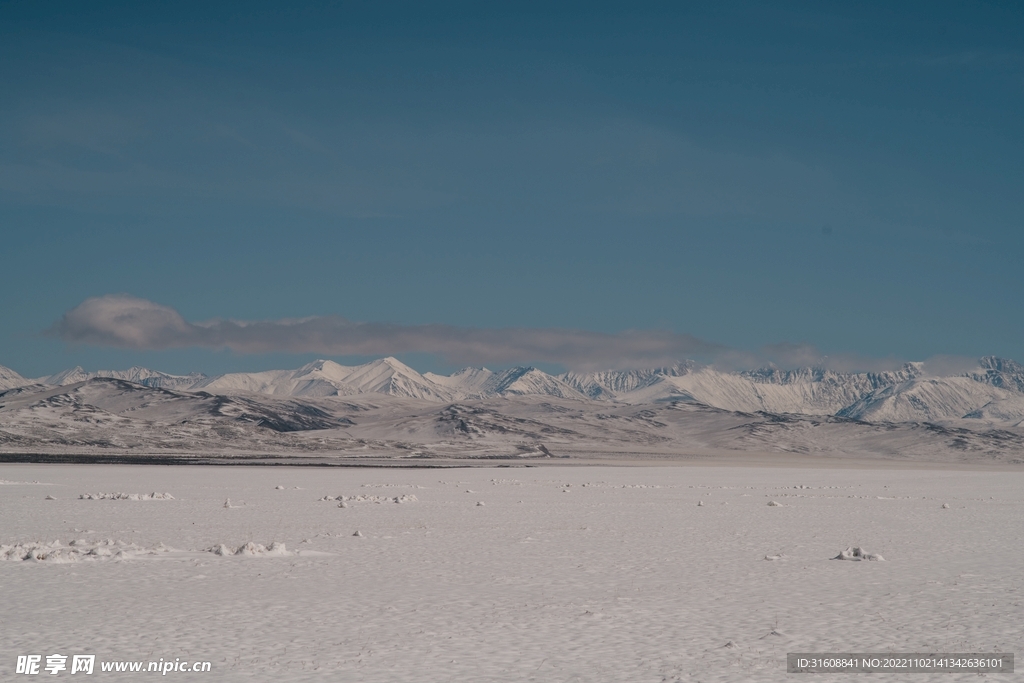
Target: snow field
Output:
[(626, 578)]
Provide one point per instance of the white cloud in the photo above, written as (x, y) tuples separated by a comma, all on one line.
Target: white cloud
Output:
[(124, 321), (128, 322)]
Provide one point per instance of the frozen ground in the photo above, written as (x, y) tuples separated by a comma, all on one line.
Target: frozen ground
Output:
[(561, 574)]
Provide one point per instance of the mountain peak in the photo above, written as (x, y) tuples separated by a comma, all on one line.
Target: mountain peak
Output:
[(396, 364), (75, 374), (521, 381), (326, 368), (9, 379)]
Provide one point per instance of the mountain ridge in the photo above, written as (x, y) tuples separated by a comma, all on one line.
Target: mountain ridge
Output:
[(992, 392)]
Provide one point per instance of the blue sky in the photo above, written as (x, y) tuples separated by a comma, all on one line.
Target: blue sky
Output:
[(846, 177)]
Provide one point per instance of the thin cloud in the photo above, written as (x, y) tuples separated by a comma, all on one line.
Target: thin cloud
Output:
[(945, 366), (128, 322), (789, 356)]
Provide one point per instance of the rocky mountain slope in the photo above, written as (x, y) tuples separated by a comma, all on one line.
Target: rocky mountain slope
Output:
[(113, 418)]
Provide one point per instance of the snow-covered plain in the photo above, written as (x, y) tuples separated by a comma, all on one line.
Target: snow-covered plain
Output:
[(562, 574)]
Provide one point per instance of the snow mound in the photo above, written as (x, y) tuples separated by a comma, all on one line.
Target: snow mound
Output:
[(126, 496), (857, 554), (77, 550), (395, 486), (251, 549), (774, 504), (408, 498), (84, 550)]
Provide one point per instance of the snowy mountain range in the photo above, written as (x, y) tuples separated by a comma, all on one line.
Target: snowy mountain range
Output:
[(992, 393), (114, 420)]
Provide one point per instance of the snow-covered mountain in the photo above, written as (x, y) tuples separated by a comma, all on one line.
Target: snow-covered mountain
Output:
[(468, 381), (937, 400), (991, 393), (9, 379), (143, 376), (812, 391), (610, 384), (326, 378), (528, 381), (1000, 372)]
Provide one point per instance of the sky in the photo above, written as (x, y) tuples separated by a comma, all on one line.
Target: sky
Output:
[(242, 186)]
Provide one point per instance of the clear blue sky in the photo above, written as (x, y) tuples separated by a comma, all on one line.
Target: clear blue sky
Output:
[(845, 175)]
